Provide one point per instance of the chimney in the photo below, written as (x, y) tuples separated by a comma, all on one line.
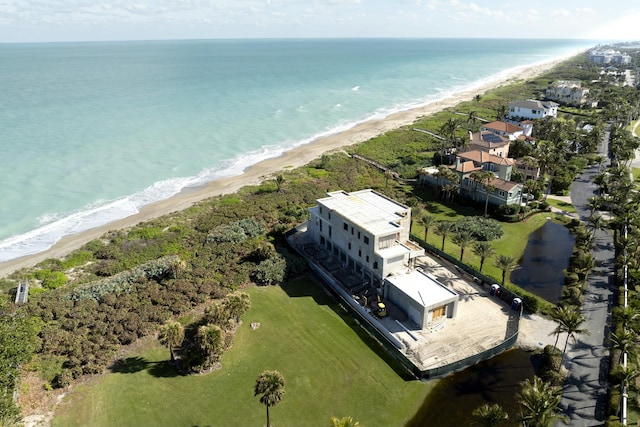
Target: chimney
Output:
[(470, 136)]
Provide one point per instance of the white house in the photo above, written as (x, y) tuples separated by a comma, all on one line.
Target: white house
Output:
[(568, 92), (366, 231), (532, 109), (423, 299)]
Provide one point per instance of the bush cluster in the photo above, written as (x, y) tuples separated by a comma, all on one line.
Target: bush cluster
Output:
[(482, 229)]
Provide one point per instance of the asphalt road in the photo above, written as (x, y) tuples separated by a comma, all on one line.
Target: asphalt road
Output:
[(587, 360)]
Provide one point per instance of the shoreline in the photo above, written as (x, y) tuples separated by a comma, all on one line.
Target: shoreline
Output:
[(255, 174)]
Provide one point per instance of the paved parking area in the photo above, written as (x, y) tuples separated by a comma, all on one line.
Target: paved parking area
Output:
[(481, 322)]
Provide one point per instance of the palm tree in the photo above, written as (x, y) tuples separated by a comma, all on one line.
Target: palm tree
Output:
[(238, 303), (485, 178), (625, 342), (427, 220), (540, 403), (484, 250), (462, 239), (473, 117), (560, 314), (489, 416), (505, 263), (448, 132), (270, 385), (584, 263), (572, 327), (279, 181), (344, 422), (626, 375), (502, 111), (443, 228), (597, 222), (210, 339), (171, 336), (448, 181), (628, 317)]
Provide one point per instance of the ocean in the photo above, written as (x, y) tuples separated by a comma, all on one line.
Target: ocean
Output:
[(91, 132)]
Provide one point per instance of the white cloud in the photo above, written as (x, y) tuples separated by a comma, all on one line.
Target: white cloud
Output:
[(44, 19)]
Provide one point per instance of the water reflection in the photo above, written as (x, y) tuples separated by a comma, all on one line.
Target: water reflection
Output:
[(545, 258), (493, 381)]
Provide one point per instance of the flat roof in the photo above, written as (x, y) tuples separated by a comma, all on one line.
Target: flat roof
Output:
[(369, 210), (422, 288)]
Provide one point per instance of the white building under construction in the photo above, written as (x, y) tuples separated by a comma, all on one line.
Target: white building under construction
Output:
[(366, 231)]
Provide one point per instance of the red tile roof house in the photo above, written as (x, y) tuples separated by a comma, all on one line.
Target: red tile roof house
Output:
[(508, 130), (489, 142), (505, 192)]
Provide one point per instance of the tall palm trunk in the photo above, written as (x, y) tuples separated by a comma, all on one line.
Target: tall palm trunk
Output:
[(268, 419)]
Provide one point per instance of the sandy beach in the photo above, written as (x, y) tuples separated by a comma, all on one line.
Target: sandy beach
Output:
[(267, 168)]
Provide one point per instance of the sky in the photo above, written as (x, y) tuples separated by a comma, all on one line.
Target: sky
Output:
[(90, 20)]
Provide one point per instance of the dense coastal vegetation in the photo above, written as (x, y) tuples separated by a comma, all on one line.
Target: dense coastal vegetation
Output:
[(188, 267)]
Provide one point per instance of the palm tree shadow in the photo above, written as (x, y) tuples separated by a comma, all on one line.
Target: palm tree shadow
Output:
[(165, 369), (131, 365)]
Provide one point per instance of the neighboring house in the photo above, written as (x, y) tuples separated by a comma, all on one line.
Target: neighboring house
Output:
[(482, 160), (608, 56), (505, 192), (489, 142), (508, 130), (568, 92), (532, 109), (529, 168), (422, 297), (365, 231), (527, 127)]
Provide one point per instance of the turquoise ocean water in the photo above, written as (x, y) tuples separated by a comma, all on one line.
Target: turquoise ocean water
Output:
[(91, 132)]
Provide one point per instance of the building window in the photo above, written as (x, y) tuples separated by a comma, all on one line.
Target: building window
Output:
[(345, 227), (366, 240), (358, 235), (320, 225), (367, 258), (375, 265), (359, 253), (352, 231), (349, 245), (329, 214), (329, 231)]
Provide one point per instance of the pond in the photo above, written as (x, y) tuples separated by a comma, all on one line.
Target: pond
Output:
[(545, 258), (497, 380)]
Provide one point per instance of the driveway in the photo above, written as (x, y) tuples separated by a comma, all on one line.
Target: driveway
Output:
[(587, 360)]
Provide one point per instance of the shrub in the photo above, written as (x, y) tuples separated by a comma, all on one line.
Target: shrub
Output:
[(51, 279), (271, 271), (77, 258), (550, 365), (236, 232), (482, 229)]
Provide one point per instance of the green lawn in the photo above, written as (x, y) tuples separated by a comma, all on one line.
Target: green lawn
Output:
[(565, 206), (513, 242), (330, 369)]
